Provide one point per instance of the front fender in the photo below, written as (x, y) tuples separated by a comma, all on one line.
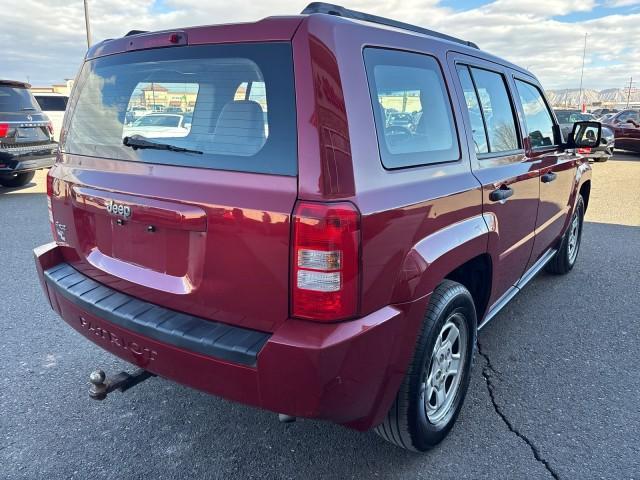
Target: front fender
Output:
[(429, 261)]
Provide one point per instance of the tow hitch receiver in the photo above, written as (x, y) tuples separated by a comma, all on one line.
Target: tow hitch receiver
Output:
[(123, 381)]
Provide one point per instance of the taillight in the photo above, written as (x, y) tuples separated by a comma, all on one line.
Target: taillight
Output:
[(4, 129), (326, 261), (49, 195), (584, 150)]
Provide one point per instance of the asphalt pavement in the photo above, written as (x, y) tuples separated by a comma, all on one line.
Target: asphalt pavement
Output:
[(555, 393)]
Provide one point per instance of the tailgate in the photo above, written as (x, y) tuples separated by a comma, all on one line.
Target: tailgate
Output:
[(178, 175), (217, 246)]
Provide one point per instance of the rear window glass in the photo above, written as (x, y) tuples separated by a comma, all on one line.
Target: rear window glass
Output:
[(52, 104), (15, 99), (411, 107), (228, 107)]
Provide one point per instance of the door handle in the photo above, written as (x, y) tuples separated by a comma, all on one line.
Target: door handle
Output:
[(501, 194), (548, 177)]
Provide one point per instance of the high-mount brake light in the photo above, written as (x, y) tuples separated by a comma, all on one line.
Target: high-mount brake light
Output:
[(326, 261)]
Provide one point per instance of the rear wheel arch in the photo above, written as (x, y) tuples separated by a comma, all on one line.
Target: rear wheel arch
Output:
[(476, 276), (440, 255)]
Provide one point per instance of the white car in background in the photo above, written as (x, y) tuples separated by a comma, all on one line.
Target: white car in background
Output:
[(159, 125), (54, 105)]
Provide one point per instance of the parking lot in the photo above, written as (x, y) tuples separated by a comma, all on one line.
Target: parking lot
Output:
[(555, 393)]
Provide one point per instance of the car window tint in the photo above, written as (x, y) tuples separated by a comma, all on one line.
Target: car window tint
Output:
[(497, 110), (52, 104), (473, 107), (412, 110), (537, 116)]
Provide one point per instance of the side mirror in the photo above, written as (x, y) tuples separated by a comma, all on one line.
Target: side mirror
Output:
[(585, 135)]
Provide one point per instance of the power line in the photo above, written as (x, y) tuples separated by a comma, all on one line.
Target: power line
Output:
[(629, 92)]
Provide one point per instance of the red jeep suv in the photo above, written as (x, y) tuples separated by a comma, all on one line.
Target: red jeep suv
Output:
[(270, 234)]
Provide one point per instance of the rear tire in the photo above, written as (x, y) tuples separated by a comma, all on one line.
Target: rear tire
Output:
[(19, 180), (431, 396), (566, 257)]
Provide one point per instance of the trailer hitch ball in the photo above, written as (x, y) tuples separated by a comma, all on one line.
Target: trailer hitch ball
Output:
[(98, 389), (123, 381)]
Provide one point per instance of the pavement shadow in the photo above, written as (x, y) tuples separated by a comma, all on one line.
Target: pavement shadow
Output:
[(4, 190), (625, 156)]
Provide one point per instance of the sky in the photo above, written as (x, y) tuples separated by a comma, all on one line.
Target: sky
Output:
[(43, 41)]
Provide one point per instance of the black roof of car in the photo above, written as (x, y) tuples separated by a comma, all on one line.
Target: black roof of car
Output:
[(14, 83)]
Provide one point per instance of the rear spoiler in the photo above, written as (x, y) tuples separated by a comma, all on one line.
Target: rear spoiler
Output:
[(14, 83)]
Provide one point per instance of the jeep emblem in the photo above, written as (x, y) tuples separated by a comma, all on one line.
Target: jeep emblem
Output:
[(118, 209)]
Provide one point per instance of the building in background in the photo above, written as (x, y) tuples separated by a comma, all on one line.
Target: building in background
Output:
[(61, 88)]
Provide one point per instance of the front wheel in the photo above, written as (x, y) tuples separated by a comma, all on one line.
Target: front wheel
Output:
[(567, 254), (18, 180), (436, 382)]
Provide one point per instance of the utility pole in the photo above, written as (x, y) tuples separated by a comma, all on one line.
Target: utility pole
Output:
[(86, 22), (584, 53), (629, 92)]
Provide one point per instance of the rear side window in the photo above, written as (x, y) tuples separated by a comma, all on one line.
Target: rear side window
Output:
[(496, 108), (537, 116), (412, 110), (228, 107), (475, 113), (52, 104), (16, 99)]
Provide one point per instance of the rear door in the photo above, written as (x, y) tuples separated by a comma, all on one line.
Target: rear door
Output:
[(557, 168), (194, 217), (509, 179)]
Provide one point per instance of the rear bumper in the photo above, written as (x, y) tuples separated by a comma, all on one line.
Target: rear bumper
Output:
[(26, 159), (347, 372)]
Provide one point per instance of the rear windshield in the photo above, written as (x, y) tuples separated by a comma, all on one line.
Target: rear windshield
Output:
[(52, 104), (16, 99), (232, 107)]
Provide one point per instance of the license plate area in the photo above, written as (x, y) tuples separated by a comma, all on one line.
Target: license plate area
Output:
[(30, 132)]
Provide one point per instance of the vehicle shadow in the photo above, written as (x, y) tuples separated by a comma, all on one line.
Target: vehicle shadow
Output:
[(4, 190), (625, 156)]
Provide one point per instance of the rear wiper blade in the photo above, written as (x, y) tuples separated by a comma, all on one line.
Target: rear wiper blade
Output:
[(28, 108), (136, 141)]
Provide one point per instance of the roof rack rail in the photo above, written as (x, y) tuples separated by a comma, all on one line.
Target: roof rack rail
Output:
[(135, 32), (337, 10)]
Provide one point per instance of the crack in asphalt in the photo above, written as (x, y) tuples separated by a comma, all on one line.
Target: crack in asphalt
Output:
[(487, 372)]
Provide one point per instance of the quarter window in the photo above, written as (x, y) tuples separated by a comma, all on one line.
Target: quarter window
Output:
[(412, 110), (537, 116)]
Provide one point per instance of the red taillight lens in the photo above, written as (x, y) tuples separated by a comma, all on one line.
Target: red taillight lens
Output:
[(4, 129), (49, 185), (49, 196), (326, 259), (584, 150)]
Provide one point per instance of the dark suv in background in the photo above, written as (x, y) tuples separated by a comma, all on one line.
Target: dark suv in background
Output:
[(291, 248), (26, 135)]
